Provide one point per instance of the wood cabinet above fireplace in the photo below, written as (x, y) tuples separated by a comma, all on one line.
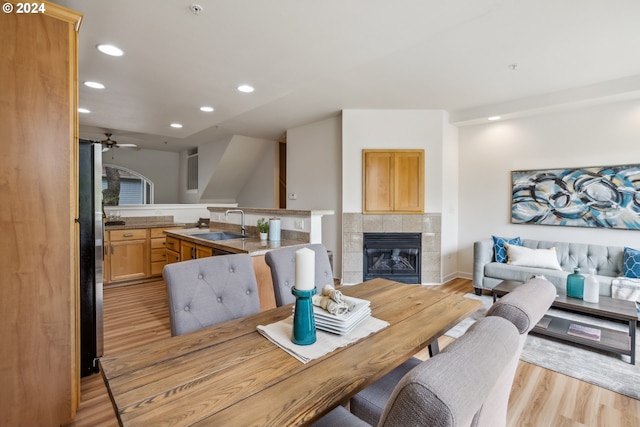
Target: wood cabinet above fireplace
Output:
[(392, 181)]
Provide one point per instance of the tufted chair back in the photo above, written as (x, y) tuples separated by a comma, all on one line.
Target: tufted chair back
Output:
[(203, 292), (283, 270)]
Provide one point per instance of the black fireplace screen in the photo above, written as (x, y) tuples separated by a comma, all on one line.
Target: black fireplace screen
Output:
[(394, 256)]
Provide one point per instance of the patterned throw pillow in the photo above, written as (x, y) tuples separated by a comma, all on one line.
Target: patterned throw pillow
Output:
[(631, 263), (498, 246)]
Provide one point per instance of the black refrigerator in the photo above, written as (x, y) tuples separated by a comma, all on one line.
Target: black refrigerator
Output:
[(91, 255)]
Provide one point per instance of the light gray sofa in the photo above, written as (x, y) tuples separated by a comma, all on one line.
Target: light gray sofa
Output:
[(607, 260)]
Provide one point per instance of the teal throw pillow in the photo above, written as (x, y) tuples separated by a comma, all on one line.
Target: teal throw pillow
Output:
[(498, 246), (631, 263)]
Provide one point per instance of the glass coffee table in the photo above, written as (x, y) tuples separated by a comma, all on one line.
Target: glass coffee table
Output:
[(613, 309)]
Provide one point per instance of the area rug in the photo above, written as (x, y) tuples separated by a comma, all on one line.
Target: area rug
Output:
[(607, 370)]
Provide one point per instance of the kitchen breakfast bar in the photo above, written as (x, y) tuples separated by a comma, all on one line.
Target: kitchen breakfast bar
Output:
[(229, 374)]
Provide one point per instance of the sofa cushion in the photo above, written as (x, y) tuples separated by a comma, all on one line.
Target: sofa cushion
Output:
[(540, 258), (607, 260), (499, 249), (631, 262)]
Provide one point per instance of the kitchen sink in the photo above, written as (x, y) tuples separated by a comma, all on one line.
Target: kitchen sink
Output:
[(219, 235)]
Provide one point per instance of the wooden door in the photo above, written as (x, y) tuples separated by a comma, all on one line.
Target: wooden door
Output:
[(39, 302), (129, 260), (408, 187), (378, 171), (187, 250), (203, 251), (392, 181)]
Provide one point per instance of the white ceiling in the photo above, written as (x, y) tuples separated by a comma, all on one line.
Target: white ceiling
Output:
[(309, 59)]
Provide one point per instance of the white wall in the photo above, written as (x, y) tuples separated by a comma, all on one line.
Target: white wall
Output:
[(209, 156), (261, 188), (450, 201), (408, 129), (314, 175), (395, 129), (595, 136), (160, 167)]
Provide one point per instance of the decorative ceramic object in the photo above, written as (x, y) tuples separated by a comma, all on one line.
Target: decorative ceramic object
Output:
[(575, 284), (591, 287), (274, 228), (304, 324)]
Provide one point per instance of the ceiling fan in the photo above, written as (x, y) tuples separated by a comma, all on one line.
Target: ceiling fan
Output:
[(110, 143)]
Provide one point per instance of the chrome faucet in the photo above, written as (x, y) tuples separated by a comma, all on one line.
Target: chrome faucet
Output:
[(240, 211)]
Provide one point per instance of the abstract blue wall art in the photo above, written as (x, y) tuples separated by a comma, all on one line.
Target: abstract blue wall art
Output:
[(605, 197)]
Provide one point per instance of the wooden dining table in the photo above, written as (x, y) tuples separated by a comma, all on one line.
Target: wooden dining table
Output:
[(231, 375)]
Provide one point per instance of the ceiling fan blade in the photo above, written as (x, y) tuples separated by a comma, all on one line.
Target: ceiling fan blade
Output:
[(127, 145)]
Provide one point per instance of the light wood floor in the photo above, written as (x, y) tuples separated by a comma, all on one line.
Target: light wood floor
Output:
[(138, 314)]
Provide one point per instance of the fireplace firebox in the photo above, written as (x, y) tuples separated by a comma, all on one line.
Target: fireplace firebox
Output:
[(394, 256)]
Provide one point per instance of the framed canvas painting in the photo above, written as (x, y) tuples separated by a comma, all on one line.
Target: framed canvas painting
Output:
[(605, 196)]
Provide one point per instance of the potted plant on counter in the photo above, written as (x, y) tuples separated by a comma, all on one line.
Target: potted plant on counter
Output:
[(263, 228)]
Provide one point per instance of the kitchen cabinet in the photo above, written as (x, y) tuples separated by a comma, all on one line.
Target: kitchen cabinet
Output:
[(128, 255), (393, 181), (135, 254), (190, 250), (172, 249), (39, 296), (158, 250)]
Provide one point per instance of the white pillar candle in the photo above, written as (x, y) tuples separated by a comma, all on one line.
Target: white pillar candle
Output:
[(305, 269)]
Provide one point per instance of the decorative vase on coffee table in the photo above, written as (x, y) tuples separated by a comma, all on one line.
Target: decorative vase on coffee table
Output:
[(591, 287), (575, 284)]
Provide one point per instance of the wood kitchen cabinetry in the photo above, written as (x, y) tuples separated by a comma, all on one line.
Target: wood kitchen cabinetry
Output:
[(393, 181), (158, 250), (190, 250), (134, 254), (172, 250), (127, 255), (39, 296)]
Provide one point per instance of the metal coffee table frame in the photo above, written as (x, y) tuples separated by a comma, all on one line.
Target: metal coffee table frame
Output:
[(614, 309)]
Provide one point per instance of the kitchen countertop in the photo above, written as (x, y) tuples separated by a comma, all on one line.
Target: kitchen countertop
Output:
[(251, 245)]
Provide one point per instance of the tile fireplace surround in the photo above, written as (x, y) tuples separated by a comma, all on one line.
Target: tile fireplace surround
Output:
[(354, 224)]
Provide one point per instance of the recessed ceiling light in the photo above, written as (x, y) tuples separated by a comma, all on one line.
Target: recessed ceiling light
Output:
[(246, 88), (94, 85), (84, 110), (176, 125), (206, 109), (492, 118), (109, 49)]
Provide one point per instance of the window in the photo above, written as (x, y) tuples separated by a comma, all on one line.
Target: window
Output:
[(192, 170), (127, 187)]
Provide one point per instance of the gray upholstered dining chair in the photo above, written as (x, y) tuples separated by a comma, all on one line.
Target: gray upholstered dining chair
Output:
[(282, 263), (523, 307), (450, 389), (206, 291)]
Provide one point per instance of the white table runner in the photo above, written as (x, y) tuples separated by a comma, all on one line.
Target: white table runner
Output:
[(279, 333)]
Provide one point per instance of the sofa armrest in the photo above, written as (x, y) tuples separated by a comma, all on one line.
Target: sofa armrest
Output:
[(482, 255)]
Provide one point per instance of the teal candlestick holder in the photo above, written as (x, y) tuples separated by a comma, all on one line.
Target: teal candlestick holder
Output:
[(304, 325)]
